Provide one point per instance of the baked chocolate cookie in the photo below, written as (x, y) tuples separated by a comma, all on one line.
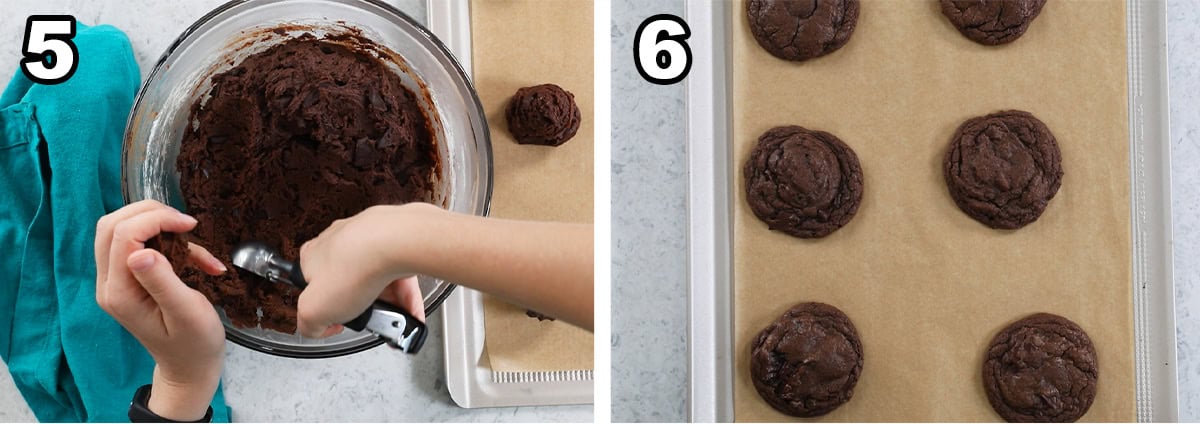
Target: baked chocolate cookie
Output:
[(1041, 369), (799, 30), (174, 246), (992, 22), (544, 114), (807, 362), (804, 183), (1002, 169)]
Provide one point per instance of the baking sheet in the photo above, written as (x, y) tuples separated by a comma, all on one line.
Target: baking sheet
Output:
[(518, 44), (927, 286)]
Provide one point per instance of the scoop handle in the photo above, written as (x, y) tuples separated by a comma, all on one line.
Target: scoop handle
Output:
[(400, 329), (388, 319)]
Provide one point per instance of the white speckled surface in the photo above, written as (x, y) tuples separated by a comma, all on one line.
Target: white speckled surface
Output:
[(1183, 51), (649, 215), (649, 197), (376, 385)]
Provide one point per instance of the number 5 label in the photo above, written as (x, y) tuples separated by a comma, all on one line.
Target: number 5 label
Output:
[(50, 55), (660, 49)]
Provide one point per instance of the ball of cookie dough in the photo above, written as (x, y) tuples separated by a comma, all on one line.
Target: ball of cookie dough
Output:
[(1002, 169), (174, 247), (544, 114), (1041, 369), (799, 30), (804, 183), (807, 362), (992, 22)]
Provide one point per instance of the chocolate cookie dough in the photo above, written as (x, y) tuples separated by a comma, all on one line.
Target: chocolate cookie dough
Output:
[(799, 30), (174, 246), (992, 22), (804, 183), (293, 138), (807, 362), (1002, 169), (1041, 369), (535, 314), (544, 114)]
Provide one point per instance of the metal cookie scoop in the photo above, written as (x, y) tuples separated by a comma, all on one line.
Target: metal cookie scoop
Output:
[(399, 329)]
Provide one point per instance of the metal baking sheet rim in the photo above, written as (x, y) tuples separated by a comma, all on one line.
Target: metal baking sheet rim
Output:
[(710, 355), (472, 384)]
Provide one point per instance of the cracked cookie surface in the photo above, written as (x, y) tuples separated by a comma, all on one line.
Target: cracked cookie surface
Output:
[(807, 362), (1002, 169), (800, 30), (992, 22), (1041, 368), (801, 182)]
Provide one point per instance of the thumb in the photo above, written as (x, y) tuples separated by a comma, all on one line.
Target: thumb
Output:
[(308, 319), (156, 276)]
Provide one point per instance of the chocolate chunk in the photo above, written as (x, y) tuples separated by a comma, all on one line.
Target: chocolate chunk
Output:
[(1041, 369), (1002, 169), (804, 183), (311, 98), (799, 30), (290, 168), (364, 153), (543, 114), (992, 22), (807, 362), (376, 100)]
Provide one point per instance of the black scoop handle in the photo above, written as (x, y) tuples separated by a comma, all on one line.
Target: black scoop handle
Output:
[(413, 326)]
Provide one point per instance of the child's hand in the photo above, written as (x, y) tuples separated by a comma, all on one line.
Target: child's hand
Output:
[(176, 324), (351, 263)]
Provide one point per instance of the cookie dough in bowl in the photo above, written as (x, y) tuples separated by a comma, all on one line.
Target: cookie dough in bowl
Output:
[(313, 110)]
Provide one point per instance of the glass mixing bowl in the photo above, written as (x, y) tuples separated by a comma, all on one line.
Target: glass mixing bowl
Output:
[(219, 41)]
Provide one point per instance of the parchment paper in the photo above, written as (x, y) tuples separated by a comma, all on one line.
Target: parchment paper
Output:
[(926, 286), (519, 44)]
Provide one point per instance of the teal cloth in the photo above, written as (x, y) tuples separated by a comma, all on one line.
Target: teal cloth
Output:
[(60, 153)]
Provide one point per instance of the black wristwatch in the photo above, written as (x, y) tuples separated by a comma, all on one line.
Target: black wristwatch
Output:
[(139, 410)]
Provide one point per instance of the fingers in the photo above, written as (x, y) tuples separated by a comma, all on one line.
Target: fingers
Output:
[(332, 330), (104, 231), (205, 260), (130, 235), (406, 293), (158, 279), (314, 331), (304, 251), (309, 319)]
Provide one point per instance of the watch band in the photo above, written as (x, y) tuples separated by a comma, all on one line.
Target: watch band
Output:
[(139, 410)]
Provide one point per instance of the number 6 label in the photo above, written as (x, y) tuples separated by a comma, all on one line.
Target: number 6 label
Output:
[(660, 49), (50, 55)]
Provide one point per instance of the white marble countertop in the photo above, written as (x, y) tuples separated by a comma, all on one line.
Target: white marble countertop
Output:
[(649, 221), (1183, 51), (649, 224), (376, 385)]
